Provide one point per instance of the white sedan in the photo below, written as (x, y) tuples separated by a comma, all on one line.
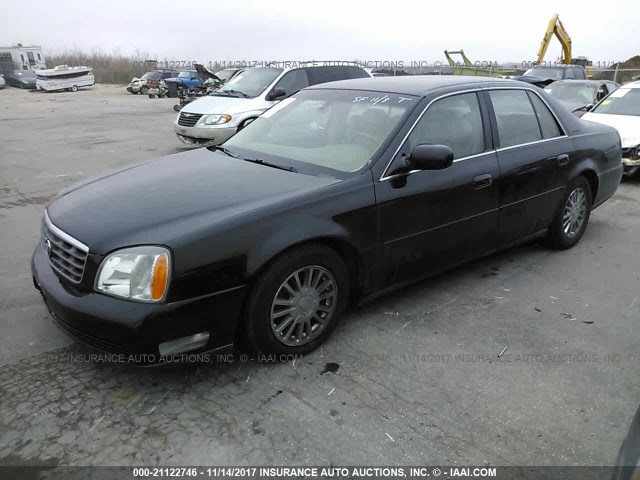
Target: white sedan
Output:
[(2, 82), (621, 110)]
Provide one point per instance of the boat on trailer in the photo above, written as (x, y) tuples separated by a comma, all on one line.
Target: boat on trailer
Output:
[(64, 77)]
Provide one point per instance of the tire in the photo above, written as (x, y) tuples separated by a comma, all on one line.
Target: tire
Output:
[(177, 108), (560, 236), (144, 90), (301, 331), (151, 95), (74, 88)]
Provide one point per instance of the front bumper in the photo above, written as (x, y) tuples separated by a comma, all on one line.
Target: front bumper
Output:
[(122, 327), (203, 135), (630, 166)]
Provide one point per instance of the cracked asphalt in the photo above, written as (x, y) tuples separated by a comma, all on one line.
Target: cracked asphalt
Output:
[(413, 378)]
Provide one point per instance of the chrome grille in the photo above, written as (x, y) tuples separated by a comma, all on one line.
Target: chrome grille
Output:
[(188, 119), (66, 255)]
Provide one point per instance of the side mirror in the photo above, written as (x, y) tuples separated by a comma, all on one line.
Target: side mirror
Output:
[(430, 157), (276, 93), (588, 107)]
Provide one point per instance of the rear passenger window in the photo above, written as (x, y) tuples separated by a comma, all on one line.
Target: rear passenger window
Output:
[(517, 122), (454, 121), (548, 124)]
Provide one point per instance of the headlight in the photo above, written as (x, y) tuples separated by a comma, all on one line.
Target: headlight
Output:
[(138, 273), (217, 119)]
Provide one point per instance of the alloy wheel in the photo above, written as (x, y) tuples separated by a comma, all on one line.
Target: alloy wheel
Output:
[(303, 305), (575, 211)]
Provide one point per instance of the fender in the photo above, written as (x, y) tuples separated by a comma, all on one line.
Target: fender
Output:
[(306, 229)]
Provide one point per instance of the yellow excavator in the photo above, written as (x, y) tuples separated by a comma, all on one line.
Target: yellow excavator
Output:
[(556, 28)]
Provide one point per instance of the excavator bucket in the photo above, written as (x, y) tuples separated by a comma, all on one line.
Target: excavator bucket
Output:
[(481, 69)]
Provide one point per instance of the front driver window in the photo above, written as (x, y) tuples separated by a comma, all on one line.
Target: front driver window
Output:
[(454, 121), (293, 81)]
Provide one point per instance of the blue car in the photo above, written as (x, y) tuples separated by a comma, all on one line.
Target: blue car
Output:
[(186, 78)]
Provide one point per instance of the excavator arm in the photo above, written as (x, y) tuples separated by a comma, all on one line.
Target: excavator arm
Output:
[(556, 28)]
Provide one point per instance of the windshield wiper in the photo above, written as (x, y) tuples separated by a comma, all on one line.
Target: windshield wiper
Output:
[(269, 164), (234, 91), (224, 150)]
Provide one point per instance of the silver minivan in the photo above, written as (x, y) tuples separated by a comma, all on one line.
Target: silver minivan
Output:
[(213, 119)]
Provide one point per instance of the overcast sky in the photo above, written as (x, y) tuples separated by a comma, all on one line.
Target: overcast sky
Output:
[(208, 31)]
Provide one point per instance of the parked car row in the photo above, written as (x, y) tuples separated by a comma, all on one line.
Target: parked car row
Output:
[(150, 80)]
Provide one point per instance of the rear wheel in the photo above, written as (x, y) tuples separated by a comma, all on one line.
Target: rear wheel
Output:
[(177, 108), (297, 301), (74, 88), (572, 217), (144, 90)]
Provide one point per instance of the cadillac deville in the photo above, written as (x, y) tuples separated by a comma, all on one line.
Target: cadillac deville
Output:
[(339, 193)]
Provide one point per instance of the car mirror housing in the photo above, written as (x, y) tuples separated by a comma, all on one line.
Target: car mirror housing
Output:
[(276, 93), (430, 157)]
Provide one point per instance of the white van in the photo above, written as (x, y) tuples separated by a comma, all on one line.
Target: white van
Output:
[(213, 119)]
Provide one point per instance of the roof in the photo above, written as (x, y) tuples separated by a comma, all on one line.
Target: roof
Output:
[(415, 84), (634, 84)]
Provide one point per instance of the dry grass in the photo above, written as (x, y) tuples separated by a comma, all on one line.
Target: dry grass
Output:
[(107, 67)]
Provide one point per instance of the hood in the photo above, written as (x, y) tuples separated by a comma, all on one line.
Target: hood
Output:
[(628, 126), (534, 80), (204, 72), (159, 200), (225, 104)]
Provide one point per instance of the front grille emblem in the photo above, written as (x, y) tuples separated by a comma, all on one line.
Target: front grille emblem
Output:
[(47, 246)]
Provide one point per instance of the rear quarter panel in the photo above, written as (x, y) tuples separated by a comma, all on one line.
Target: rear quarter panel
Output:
[(599, 149)]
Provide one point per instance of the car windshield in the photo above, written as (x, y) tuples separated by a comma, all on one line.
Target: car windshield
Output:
[(572, 92), (336, 129), (252, 82), (624, 101), (225, 74), (25, 73), (187, 74), (545, 72)]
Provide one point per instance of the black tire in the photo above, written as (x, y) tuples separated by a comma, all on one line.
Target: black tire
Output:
[(144, 90), (557, 238), (74, 88), (258, 334), (177, 108)]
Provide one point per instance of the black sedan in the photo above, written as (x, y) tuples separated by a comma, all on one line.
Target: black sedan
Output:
[(579, 96), (21, 79), (337, 194)]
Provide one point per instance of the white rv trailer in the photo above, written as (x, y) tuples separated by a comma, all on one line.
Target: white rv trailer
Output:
[(64, 77)]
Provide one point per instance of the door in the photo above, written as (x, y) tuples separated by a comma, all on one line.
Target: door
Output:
[(430, 220), (534, 155)]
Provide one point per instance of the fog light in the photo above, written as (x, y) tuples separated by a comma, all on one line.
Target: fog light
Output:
[(184, 344)]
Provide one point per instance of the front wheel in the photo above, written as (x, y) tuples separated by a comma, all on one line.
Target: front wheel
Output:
[(74, 88), (297, 301), (572, 217)]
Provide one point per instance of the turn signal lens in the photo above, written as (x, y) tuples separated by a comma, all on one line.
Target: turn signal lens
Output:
[(159, 277)]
